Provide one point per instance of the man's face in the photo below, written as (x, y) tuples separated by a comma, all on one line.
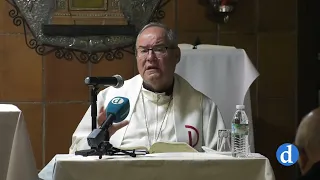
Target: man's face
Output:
[(156, 59)]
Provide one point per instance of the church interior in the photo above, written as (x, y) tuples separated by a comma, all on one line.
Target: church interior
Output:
[(279, 38)]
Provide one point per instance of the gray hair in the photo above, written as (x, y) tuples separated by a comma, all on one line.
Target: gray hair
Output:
[(172, 38)]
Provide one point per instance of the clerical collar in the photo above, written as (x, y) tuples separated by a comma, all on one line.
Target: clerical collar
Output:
[(167, 92)]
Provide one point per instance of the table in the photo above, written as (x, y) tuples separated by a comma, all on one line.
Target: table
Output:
[(224, 75), (16, 156), (167, 166)]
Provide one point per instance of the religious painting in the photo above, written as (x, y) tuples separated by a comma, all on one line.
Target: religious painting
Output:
[(88, 12), (85, 4)]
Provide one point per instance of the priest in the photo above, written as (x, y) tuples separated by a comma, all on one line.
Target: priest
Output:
[(163, 106)]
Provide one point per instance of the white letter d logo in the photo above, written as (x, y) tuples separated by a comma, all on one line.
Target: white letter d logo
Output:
[(289, 152)]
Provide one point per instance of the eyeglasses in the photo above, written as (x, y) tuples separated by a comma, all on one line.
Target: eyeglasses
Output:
[(158, 50)]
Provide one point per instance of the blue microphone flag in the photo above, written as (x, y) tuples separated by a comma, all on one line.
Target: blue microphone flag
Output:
[(119, 107)]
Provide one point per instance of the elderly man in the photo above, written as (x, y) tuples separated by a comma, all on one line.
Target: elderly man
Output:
[(308, 143), (163, 106)]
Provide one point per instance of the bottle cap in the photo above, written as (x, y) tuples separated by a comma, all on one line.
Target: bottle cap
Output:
[(240, 106)]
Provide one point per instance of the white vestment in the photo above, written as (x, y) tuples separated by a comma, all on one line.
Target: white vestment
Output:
[(191, 117)]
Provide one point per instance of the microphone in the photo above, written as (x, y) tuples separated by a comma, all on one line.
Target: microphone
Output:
[(115, 81), (117, 110)]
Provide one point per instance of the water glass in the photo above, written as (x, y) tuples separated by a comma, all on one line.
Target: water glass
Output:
[(224, 140)]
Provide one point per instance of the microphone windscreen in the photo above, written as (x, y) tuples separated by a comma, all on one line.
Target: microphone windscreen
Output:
[(120, 81), (119, 107)]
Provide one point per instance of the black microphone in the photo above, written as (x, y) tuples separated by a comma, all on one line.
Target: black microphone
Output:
[(115, 81), (117, 110)]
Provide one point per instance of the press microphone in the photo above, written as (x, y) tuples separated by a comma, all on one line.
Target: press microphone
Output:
[(115, 81), (117, 110)]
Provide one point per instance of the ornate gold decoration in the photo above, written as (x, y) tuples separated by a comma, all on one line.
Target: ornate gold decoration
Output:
[(86, 30)]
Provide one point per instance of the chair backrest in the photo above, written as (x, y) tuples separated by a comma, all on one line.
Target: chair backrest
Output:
[(185, 46), (224, 74), (211, 46)]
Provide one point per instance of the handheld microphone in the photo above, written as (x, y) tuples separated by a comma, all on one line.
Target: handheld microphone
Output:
[(115, 81), (117, 110)]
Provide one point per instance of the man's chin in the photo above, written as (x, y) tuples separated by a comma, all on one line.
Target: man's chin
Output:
[(153, 76)]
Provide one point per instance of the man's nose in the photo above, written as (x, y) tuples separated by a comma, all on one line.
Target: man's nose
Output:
[(151, 55)]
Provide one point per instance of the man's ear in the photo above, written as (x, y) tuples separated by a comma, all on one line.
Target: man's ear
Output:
[(303, 161), (177, 54)]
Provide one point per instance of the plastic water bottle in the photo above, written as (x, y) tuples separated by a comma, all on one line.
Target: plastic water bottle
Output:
[(240, 133)]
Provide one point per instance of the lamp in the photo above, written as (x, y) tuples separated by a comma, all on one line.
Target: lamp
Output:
[(222, 9)]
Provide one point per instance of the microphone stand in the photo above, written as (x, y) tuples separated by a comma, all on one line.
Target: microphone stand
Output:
[(94, 94), (105, 147)]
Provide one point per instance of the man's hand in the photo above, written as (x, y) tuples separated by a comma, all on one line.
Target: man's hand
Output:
[(102, 116)]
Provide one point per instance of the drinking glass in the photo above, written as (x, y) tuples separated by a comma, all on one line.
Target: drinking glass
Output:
[(224, 140)]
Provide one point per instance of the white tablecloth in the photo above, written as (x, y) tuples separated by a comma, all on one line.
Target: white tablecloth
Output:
[(16, 156), (224, 75), (175, 166)]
